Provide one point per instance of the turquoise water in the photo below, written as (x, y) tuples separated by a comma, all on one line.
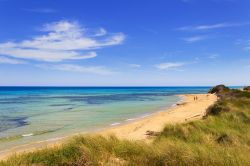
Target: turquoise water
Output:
[(29, 114)]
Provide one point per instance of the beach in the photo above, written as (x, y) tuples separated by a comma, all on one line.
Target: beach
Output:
[(187, 110)]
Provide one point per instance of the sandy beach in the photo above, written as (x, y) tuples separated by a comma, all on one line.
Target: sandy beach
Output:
[(185, 111), (188, 110)]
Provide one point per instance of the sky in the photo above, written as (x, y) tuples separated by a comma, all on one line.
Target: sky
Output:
[(124, 42)]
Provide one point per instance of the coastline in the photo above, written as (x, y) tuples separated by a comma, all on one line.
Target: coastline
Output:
[(187, 109)]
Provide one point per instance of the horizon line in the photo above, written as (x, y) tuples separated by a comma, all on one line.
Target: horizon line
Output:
[(120, 86)]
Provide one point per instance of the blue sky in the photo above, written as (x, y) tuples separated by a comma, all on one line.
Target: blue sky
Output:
[(124, 42)]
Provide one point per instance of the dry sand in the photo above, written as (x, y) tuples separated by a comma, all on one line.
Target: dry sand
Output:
[(189, 109)]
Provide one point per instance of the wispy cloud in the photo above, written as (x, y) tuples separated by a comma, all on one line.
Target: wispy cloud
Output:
[(135, 65), (61, 41), (100, 70), (6, 60), (193, 39), (211, 26), (247, 48), (169, 65), (101, 32), (213, 56), (41, 10), (246, 45)]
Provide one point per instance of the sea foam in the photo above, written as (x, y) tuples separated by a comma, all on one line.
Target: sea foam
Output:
[(28, 135), (115, 124)]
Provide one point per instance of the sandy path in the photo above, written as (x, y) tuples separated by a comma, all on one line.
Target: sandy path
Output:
[(186, 111)]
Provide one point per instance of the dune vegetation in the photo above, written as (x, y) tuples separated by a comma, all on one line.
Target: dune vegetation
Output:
[(222, 137)]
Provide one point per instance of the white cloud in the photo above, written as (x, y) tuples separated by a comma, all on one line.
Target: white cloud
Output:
[(62, 40), (11, 61), (170, 65), (135, 65), (194, 39), (45, 55), (210, 26), (101, 70), (101, 32)]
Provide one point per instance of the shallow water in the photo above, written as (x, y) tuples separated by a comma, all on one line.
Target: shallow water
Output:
[(30, 114)]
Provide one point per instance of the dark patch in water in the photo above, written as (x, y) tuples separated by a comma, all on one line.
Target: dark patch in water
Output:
[(91, 99), (102, 99), (7, 123), (11, 102), (70, 108), (20, 100)]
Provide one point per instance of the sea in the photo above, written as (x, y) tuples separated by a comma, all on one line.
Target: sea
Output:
[(33, 114)]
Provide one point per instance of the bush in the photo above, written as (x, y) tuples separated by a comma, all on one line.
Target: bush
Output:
[(218, 89), (246, 88), (217, 108)]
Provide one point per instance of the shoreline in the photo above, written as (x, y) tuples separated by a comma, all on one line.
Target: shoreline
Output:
[(134, 129), (141, 117), (185, 111)]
